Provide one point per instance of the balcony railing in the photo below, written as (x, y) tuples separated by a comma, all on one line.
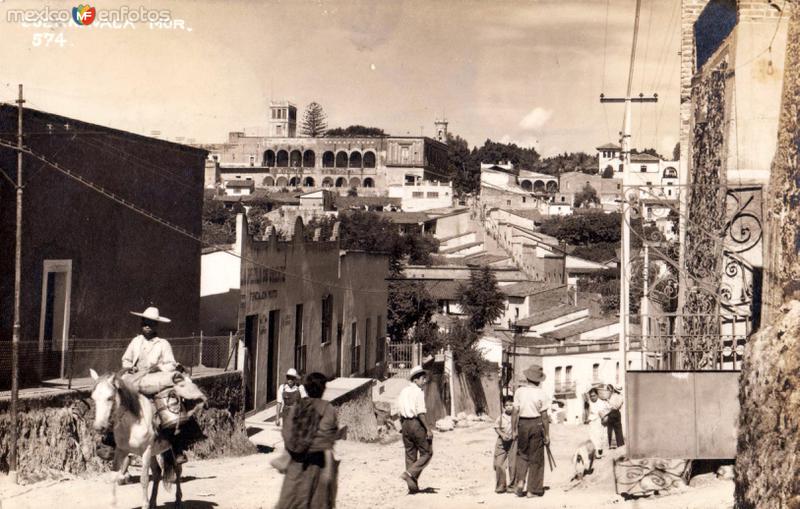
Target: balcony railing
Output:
[(566, 388)]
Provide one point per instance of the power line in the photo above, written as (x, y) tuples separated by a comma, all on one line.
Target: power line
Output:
[(139, 210)]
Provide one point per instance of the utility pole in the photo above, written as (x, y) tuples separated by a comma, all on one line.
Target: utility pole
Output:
[(12, 457), (625, 258)]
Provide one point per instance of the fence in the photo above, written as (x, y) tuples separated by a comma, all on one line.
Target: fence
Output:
[(43, 364), (401, 357)]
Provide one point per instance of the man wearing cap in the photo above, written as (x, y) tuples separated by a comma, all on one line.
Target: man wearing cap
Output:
[(417, 434), (288, 394), (147, 352), (531, 426)]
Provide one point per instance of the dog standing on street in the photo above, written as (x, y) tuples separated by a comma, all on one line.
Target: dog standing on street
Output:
[(582, 461)]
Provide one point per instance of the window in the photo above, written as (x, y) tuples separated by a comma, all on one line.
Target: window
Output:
[(595, 372), (643, 168), (298, 324), (508, 203), (380, 351), (417, 194), (252, 160), (568, 376), (299, 347), (619, 186), (523, 199), (620, 168), (617, 372), (669, 192), (433, 194), (557, 377), (327, 318), (279, 130), (354, 348)]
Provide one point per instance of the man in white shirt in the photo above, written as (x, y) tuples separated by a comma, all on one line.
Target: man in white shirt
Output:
[(288, 394), (417, 434), (531, 426), (148, 353)]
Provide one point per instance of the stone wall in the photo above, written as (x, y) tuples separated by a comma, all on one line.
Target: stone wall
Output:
[(768, 451), (56, 435)]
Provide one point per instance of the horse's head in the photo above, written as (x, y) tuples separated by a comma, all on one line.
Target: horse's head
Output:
[(104, 395), (188, 390)]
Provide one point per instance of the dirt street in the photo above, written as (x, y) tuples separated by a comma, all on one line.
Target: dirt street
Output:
[(459, 476)]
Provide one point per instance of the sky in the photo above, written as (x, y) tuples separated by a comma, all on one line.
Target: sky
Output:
[(529, 72)]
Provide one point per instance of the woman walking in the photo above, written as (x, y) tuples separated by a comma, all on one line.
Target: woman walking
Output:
[(309, 433)]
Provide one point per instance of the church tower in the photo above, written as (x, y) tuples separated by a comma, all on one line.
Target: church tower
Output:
[(441, 130), (282, 119)]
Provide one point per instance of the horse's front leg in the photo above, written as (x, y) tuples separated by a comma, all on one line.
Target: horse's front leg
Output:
[(178, 492), (156, 478), (147, 457)]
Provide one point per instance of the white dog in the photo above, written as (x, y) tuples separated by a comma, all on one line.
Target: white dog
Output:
[(583, 460)]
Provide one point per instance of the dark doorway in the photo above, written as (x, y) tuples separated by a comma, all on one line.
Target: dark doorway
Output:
[(272, 354), (250, 354)]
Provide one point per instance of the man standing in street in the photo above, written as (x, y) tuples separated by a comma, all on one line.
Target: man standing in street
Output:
[(614, 424), (531, 426), (417, 434)]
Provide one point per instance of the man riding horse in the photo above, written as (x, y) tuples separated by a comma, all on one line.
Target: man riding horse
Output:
[(147, 354)]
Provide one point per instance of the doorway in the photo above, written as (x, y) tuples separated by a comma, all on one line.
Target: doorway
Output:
[(273, 330), (54, 318), (250, 355)]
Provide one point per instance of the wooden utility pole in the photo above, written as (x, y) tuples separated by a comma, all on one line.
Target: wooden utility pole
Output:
[(625, 258), (12, 457)]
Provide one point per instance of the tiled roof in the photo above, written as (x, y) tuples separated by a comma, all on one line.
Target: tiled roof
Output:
[(579, 328), (546, 315), (644, 158), (343, 202), (405, 217), (532, 214), (240, 183), (525, 288), (609, 146), (443, 289)]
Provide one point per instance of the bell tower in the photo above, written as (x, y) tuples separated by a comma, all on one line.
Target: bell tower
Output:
[(441, 130)]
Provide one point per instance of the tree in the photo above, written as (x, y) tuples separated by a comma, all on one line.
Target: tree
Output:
[(410, 306), (481, 299), (586, 197), (676, 152), (219, 223), (314, 124), (650, 151), (608, 172), (355, 130), (352, 192)]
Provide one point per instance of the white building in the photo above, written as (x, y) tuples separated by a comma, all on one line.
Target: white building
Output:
[(423, 195)]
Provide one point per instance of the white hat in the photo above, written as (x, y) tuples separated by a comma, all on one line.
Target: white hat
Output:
[(292, 373), (152, 314), (415, 372)]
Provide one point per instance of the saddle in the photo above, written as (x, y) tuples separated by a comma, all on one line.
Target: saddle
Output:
[(171, 410)]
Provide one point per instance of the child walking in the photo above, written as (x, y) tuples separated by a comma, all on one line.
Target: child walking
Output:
[(505, 450)]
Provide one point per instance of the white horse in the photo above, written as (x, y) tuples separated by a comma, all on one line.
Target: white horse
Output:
[(131, 415)]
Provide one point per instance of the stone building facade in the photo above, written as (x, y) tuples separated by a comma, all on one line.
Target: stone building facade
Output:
[(368, 163), (310, 306)]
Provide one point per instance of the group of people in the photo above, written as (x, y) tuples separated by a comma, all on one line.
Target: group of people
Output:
[(310, 428), (604, 417)]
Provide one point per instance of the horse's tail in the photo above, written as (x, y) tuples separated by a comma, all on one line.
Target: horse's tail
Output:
[(169, 473)]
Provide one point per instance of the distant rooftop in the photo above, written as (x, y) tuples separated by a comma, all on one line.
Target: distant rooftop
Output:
[(609, 146), (579, 328), (526, 288), (542, 316)]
